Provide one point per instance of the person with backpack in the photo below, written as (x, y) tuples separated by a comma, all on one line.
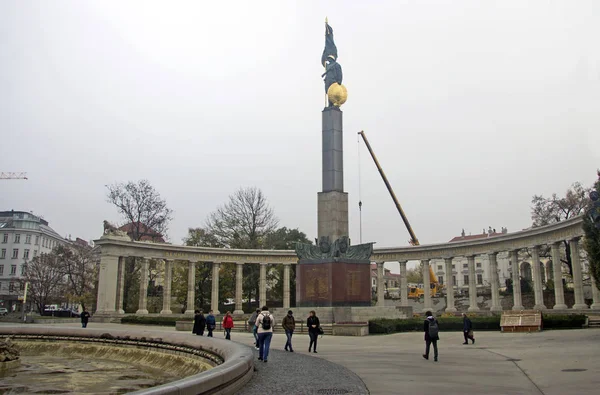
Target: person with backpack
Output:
[(265, 323), (289, 324), (431, 329), (227, 325), (211, 323), (253, 327), (313, 325), (467, 329), (199, 323)]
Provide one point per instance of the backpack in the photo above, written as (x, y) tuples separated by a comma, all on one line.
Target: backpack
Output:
[(433, 329), (266, 322)]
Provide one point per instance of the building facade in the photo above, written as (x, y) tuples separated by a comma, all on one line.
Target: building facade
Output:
[(23, 236)]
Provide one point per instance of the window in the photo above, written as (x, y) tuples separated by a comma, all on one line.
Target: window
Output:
[(37, 240), (466, 279), (440, 267), (15, 253), (1, 270), (480, 279), (11, 287), (453, 280), (28, 239), (3, 254), (26, 254), (453, 266), (465, 265), (5, 239), (17, 238), (441, 280), (13, 270), (34, 253), (23, 269), (478, 264)]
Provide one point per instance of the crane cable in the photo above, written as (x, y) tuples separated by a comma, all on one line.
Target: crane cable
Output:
[(359, 190)]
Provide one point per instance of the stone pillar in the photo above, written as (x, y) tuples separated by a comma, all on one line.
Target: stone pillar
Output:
[(426, 285), (559, 293), (403, 284), (121, 285), (537, 279), (595, 294), (107, 284), (143, 304), (214, 296), (263, 285), (450, 308), (517, 302), (191, 291), (167, 287), (496, 306), (472, 284), (286, 285), (577, 277), (380, 285), (239, 277)]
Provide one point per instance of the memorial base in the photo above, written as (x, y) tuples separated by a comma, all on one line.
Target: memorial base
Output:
[(333, 282)]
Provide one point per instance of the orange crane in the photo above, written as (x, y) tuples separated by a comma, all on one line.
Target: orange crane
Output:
[(434, 284), (13, 176)]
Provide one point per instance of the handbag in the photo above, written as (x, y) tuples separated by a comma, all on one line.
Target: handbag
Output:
[(321, 332), (470, 333)]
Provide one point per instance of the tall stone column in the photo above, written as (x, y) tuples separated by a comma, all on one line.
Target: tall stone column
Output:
[(191, 291), (472, 284), (537, 279), (380, 285), (595, 295), (107, 284), (450, 308), (516, 277), (121, 285), (559, 293), (496, 306), (143, 304), (239, 276), (577, 276), (214, 297), (286, 285), (263, 285), (426, 285), (167, 287), (403, 284)]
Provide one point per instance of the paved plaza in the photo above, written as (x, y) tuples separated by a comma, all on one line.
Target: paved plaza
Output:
[(550, 362)]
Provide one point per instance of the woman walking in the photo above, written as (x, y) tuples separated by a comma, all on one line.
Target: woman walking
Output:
[(227, 325), (199, 323), (313, 325), (467, 329)]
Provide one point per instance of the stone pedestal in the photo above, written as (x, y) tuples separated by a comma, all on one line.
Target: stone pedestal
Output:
[(333, 282)]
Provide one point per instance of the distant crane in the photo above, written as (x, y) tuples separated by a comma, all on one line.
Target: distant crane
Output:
[(13, 176)]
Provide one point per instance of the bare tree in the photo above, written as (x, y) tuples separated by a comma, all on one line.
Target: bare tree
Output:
[(46, 279), (545, 211), (79, 263)]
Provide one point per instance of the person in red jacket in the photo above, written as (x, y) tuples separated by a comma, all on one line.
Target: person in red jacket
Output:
[(227, 325)]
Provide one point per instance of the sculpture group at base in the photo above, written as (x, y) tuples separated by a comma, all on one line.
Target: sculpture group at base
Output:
[(340, 248)]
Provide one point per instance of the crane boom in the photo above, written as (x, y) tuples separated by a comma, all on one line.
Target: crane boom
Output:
[(13, 176), (414, 241)]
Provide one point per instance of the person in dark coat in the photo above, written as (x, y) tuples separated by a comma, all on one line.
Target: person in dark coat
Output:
[(467, 329), (211, 323), (289, 325), (85, 316), (429, 338), (199, 323), (313, 325)]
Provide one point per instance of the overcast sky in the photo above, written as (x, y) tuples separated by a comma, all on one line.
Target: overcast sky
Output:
[(471, 107)]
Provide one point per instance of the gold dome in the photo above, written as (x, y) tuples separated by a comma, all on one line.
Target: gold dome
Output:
[(337, 94)]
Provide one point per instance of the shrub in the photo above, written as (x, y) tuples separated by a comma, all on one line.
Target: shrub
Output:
[(146, 320), (551, 321)]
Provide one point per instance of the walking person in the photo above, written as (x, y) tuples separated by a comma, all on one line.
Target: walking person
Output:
[(467, 329), (265, 323), (199, 323), (211, 323), (253, 327), (289, 325), (85, 316), (313, 325), (431, 329), (227, 325)]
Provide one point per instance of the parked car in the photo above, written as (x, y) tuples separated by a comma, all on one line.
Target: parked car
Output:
[(3, 311)]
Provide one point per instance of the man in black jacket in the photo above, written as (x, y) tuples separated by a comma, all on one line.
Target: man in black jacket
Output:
[(430, 327), (468, 329)]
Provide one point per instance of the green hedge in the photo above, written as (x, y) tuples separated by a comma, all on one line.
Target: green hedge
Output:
[(385, 325), (145, 320)]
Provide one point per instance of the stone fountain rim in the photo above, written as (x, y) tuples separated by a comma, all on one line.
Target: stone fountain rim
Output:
[(232, 374)]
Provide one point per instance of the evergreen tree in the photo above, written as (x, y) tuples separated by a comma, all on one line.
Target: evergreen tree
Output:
[(592, 233)]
